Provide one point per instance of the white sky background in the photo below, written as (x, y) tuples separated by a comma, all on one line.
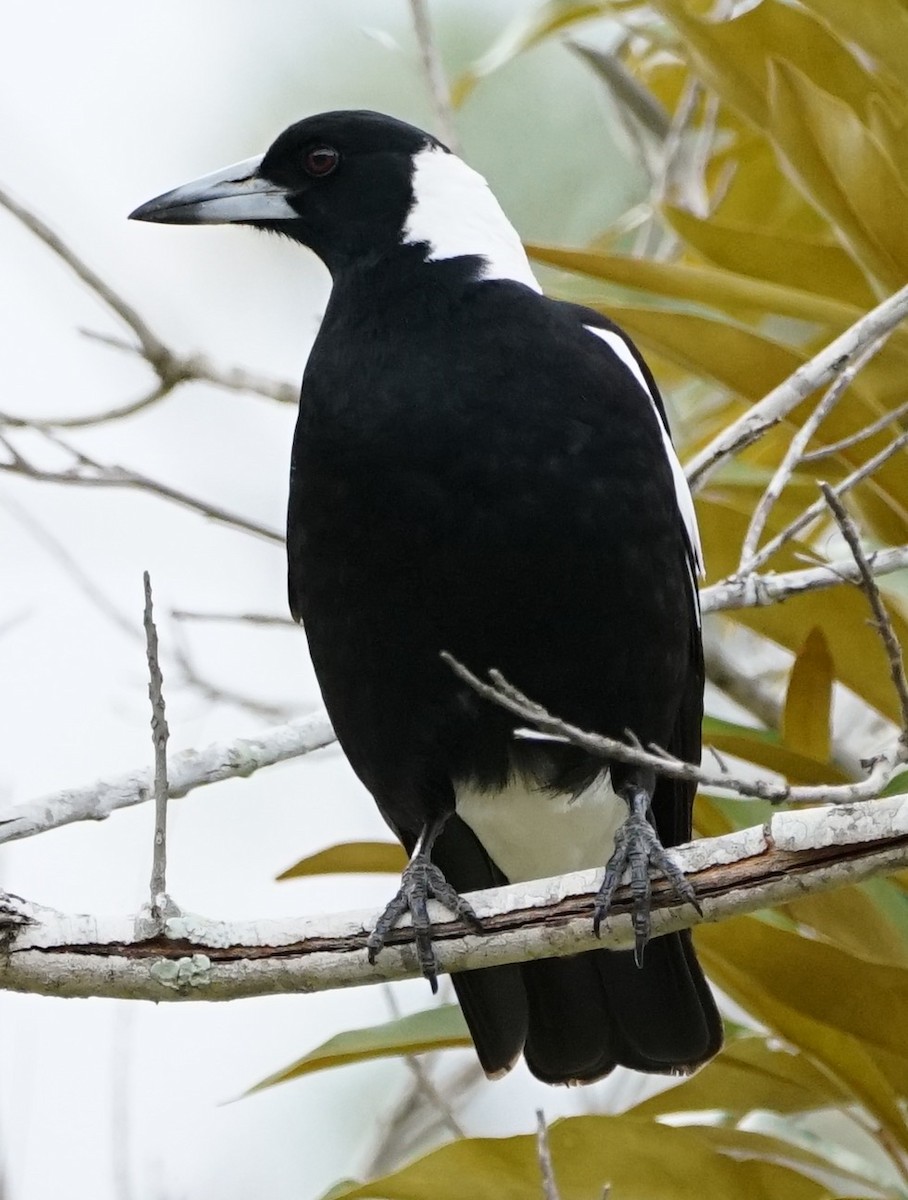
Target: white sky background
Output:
[(103, 105)]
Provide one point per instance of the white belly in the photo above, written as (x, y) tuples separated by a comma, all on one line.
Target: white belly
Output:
[(531, 834)]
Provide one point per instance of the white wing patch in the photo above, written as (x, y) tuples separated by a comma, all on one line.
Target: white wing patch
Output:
[(531, 833), (620, 348), (455, 213)]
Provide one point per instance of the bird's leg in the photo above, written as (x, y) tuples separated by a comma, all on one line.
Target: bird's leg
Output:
[(420, 882), (638, 847)]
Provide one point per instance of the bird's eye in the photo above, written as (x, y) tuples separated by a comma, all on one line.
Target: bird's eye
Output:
[(321, 160)]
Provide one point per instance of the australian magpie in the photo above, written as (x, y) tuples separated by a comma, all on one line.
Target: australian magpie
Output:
[(481, 470)]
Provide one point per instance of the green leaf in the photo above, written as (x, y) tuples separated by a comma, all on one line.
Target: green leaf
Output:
[(528, 30), (869, 921), (748, 1075), (351, 858), (733, 56), (839, 165), (807, 716), (823, 1000), (440, 1028), (880, 27), (738, 294), (639, 1158), (799, 262)]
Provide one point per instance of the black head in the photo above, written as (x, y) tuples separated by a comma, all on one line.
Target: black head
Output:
[(354, 186)]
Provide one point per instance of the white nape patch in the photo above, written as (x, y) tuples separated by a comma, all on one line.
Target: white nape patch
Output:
[(620, 348), (455, 213), (532, 833)]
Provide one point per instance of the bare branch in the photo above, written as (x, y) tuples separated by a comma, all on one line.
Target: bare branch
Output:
[(797, 854), (199, 368), (794, 455), (544, 1155), (819, 370), (188, 770), (818, 507), (881, 620), (758, 591), (499, 691), (434, 72), (854, 439), (153, 349), (86, 472), (250, 618), (159, 735)]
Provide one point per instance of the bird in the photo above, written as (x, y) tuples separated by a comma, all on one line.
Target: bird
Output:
[(481, 471)]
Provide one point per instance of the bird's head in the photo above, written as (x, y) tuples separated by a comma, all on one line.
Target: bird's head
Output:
[(354, 186)]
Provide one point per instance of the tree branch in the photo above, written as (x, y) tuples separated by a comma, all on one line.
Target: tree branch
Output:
[(187, 771), (434, 73), (543, 724), (798, 853), (819, 370)]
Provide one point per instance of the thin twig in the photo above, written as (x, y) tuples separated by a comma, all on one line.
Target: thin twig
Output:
[(794, 455), (818, 507), (424, 1082), (854, 439), (249, 618), (758, 591), (434, 73), (544, 1155), (153, 349), (499, 691), (190, 769), (198, 367), (87, 472), (881, 620), (159, 735), (819, 370)]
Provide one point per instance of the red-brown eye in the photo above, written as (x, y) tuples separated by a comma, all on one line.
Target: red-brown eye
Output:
[(321, 160)]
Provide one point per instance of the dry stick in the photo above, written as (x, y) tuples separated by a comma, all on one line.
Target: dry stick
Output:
[(795, 453), (159, 736), (820, 369), (153, 349), (544, 1154), (881, 621), (434, 72), (819, 506), (121, 477), (499, 691), (198, 367), (171, 368), (854, 439), (758, 591)]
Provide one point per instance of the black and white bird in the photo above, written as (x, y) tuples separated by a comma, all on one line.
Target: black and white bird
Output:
[(481, 470)]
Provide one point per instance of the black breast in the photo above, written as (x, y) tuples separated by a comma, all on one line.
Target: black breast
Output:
[(474, 472)]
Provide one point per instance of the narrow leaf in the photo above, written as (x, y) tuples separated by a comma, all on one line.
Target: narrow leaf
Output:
[(440, 1028), (351, 858), (636, 1157), (807, 716)]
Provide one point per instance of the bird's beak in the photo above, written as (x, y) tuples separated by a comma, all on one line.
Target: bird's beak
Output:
[(237, 193)]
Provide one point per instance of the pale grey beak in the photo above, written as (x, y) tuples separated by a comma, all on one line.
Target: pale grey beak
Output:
[(236, 193)]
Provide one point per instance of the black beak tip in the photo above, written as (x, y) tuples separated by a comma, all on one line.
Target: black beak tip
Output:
[(149, 211)]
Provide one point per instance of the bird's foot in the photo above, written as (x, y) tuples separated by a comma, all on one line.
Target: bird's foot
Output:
[(420, 882), (13, 918), (637, 846)]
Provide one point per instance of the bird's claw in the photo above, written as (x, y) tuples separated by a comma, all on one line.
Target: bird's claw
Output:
[(637, 846), (420, 882)]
